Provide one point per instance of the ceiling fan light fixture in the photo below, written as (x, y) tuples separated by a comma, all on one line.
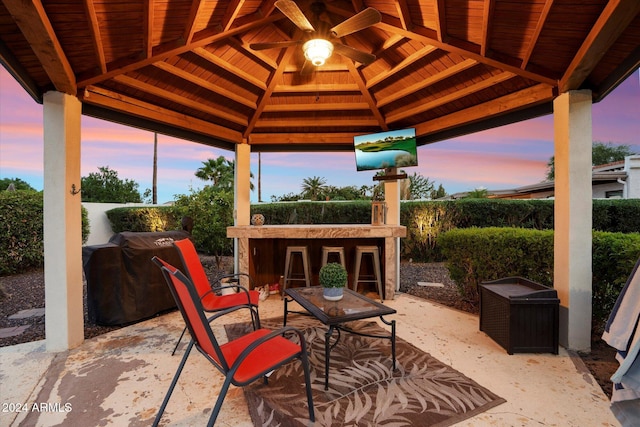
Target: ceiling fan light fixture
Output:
[(317, 51)]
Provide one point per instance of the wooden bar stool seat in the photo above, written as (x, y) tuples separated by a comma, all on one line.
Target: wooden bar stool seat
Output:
[(374, 253), (303, 253), (327, 250)]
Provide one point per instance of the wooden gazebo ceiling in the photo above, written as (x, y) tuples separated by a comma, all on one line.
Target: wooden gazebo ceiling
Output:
[(445, 67)]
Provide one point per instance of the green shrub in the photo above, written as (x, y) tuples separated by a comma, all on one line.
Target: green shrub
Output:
[(22, 231), (475, 255), (144, 218)]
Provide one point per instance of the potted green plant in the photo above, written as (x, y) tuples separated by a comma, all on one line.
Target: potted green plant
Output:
[(333, 278)]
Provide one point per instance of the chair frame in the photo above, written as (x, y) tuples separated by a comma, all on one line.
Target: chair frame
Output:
[(182, 246), (176, 280)]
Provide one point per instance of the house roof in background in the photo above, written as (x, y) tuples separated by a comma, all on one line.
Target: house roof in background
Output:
[(448, 68)]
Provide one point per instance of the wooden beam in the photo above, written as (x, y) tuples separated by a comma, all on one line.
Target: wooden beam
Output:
[(161, 53), (148, 28), (135, 107), (289, 108), (402, 9), (362, 86), (185, 75), (408, 61), (338, 138), (231, 13), (422, 34), (469, 90), (615, 18), (190, 26), (449, 72), (312, 88), (34, 24), (536, 34), (96, 38), (240, 73), (529, 97), (171, 96), (316, 122), (487, 17)]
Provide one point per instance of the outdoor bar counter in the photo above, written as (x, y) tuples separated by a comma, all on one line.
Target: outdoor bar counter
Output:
[(261, 249)]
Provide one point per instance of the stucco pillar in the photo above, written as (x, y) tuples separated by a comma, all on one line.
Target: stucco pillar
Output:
[(242, 206), (64, 314), (573, 217), (392, 245)]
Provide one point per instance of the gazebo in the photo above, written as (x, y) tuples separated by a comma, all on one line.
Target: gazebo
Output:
[(239, 75)]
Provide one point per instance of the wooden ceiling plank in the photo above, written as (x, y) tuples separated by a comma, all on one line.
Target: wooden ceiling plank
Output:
[(421, 34), (96, 38), (160, 54), (525, 98), (482, 85), (615, 18), (338, 138), (355, 74), (131, 106), (190, 26), (312, 88), (408, 61), (171, 96), (288, 108), (448, 72), (536, 34), (304, 122), (178, 72), (34, 24), (249, 78)]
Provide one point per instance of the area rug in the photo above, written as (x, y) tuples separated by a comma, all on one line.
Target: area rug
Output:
[(364, 390)]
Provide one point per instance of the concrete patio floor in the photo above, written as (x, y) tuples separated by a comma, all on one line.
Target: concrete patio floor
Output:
[(120, 378)]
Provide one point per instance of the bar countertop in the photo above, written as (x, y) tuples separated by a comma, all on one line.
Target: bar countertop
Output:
[(316, 231)]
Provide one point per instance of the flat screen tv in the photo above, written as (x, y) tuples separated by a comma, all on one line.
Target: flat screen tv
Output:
[(392, 149)]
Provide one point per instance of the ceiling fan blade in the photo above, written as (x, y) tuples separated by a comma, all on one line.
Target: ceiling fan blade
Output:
[(357, 22), (274, 45), (291, 10), (355, 54)]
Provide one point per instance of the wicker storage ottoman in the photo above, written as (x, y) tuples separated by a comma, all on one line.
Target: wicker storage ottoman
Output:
[(520, 315)]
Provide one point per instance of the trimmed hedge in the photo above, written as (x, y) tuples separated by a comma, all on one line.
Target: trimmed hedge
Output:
[(140, 219), (475, 255), (22, 231)]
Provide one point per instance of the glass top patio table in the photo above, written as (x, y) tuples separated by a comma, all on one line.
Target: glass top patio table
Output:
[(353, 306)]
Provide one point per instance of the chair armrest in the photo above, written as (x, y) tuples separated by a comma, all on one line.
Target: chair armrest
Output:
[(279, 332)]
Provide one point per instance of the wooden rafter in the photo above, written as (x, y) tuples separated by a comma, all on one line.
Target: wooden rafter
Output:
[(487, 16), (408, 61), (536, 34), (96, 38), (362, 86), (33, 22)]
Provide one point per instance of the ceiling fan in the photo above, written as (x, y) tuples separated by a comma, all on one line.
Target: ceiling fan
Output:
[(320, 41)]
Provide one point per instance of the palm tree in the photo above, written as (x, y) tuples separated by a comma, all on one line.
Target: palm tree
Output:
[(216, 170), (312, 187), (220, 172)]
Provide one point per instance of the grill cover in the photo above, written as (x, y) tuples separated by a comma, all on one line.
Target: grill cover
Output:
[(123, 284)]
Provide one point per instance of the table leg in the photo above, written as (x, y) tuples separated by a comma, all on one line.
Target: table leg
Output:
[(327, 352), (393, 339)]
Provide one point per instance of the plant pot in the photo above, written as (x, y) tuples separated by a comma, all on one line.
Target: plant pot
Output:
[(333, 294)]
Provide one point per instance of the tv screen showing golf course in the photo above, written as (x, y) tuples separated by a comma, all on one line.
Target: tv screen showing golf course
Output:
[(392, 149)]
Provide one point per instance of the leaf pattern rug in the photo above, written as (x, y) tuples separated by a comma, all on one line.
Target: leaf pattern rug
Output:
[(363, 388)]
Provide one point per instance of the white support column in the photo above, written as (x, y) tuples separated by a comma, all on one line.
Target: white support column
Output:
[(392, 258), (573, 217), (242, 204), (64, 314)]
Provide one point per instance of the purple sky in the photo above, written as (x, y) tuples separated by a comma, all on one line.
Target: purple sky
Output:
[(501, 158)]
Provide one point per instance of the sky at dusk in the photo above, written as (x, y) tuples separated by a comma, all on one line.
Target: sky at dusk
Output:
[(500, 158)]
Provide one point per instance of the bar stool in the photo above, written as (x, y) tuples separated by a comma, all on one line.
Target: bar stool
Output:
[(327, 250), (377, 276), (288, 265)]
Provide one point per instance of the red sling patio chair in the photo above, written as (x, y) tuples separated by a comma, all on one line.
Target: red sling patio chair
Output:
[(241, 361), (211, 301)]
